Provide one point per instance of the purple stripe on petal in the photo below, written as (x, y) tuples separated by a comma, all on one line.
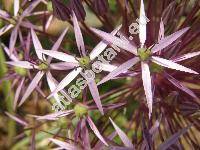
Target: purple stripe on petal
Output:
[(5, 29), (38, 13), (48, 23), (85, 134), (63, 66), (102, 45), (146, 79), (161, 31), (13, 38), (78, 35), (30, 8), (186, 56), (121, 69), (95, 94), (52, 86), (29, 25), (22, 64), (100, 145), (107, 67), (142, 24), (155, 127), (20, 121), (60, 56), (58, 42), (67, 80), (63, 145), (122, 135), (95, 130), (116, 41), (179, 85), (168, 40), (11, 56), (4, 14), (54, 116), (32, 86), (172, 65), (19, 88), (152, 132), (27, 45), (37, 45)]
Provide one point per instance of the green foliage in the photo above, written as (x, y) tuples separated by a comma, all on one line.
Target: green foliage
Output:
[(6, 89)]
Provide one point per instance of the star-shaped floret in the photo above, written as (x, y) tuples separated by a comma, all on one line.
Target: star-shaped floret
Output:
[(144, 55), (84, 63), (43, 67), (17, 20)]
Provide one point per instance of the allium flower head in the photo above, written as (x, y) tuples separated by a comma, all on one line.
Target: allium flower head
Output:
[(17, 20), (99, 74), (83, 62), (43, 67), (144, 55)]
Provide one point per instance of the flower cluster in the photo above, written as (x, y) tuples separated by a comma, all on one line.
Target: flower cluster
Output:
[(137, 88)]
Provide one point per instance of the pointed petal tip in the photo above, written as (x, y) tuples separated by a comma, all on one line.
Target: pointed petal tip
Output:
[(120, 69), (31, 86), (95, 130), (186, 56), (142, 24), (15, 118), (67, 80), (124, 44), (166, 41), (78, 35), (102, 45), (122, 135), (95, 94), (172, 65)]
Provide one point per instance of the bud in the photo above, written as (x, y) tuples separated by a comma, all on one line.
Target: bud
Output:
[(20, 71), (80, 110)]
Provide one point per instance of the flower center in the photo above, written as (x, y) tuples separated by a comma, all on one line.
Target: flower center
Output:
[(85, 62), (43, 66), (13, 21), (155, 68), (144, 53), (80, 110)]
